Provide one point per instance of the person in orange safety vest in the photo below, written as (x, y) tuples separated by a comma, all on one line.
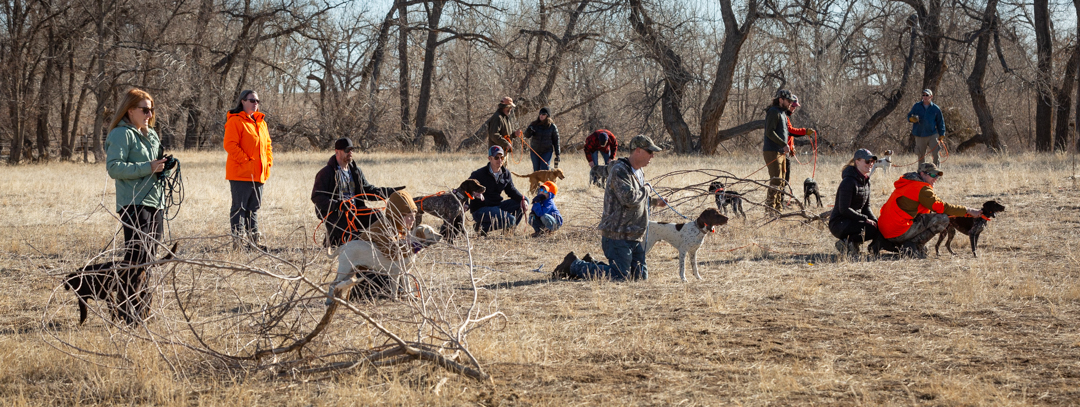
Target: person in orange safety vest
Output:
[(913, 214)]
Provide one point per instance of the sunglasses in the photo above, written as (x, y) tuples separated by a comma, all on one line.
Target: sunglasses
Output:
[(498, 157), (925, 95), (935, 175), (255, 101), (146, 110)]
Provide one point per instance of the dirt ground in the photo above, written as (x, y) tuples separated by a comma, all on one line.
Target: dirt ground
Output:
[(779, 318)]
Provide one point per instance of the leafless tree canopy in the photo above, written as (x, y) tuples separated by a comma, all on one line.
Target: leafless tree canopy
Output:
[(392, 74)]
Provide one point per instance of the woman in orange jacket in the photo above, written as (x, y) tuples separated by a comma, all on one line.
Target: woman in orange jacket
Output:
[(248, 166)]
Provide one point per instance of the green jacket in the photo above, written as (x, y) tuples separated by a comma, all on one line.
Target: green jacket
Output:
[(127, 159)]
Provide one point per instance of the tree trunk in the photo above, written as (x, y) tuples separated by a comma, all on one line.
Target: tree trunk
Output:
[(893, 101), (676, 77), (734, 38), (1044, 104), (989, 133), (424, 99), (934, 63), (1064, 101), (403, 69)]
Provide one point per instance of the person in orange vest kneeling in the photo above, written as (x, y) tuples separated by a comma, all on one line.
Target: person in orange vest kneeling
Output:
[(914, 214)]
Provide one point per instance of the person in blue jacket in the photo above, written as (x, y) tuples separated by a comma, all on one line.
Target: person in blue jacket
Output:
[(545, 217), (927, 125)]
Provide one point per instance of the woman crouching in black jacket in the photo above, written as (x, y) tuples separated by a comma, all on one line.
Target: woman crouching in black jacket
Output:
[(852, 221)]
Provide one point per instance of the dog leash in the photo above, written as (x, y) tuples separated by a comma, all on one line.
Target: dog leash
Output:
[(666, 204)]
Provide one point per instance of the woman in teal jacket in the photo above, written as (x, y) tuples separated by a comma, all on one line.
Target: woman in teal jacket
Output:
[(133, 157)]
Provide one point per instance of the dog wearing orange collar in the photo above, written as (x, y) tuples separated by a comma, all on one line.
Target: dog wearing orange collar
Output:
[(450, 207), (973, 227)]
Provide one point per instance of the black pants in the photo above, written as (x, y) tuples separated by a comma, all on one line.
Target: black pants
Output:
[(143, 225), (338, 231), (856, 232), (246, 200)]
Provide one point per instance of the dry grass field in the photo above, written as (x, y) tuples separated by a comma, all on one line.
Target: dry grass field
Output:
[(778, 319)]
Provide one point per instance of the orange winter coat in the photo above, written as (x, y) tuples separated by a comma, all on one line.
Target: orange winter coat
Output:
[(248, 143), (911, 197)]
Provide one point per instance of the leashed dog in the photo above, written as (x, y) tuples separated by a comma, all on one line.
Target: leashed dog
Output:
[(540, 177), (685, 237), (598, 175), (973, 227), (883, 162), (101, 282), (450, 207), (361, 254), (810, 188), (725, 197)]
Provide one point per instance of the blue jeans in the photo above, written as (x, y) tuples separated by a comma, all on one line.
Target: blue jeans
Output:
[(505, 215), (545, 223), (626, 261), (597, 154), (542, 161)]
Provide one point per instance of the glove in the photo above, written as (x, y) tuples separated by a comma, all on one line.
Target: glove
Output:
[(556, 161), (941, 139), (913, 119)]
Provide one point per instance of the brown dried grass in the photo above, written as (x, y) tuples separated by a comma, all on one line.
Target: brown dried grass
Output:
[(777, 320)]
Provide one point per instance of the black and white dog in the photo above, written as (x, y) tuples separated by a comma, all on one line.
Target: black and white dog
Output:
[(725, 197), (810, 188), (598, 175)]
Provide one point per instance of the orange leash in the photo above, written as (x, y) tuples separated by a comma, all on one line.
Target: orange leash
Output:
[(351, 212)]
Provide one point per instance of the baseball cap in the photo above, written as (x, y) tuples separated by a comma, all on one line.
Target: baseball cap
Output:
[(865, 154), (344, 144), (507, 101), (931, 169), (551, 187), (783, 94), (795, 100), (928, 92), (643, 141), (495, 150)]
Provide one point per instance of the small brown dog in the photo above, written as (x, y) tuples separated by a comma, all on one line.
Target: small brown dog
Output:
[(540, 177)]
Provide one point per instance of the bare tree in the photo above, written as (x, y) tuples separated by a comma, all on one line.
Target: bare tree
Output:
[(676, 77), (1044, 103), (735, 35), (989, 134)]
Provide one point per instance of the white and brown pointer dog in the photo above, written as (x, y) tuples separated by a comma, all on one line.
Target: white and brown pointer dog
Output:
[(685, 237)]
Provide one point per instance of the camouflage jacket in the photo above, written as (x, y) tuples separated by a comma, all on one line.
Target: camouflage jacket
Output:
[(626, 215)]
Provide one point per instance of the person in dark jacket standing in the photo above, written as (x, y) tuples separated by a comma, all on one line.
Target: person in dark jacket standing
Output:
[(493, 212), (775, 147), (133, 157), (624, 222), (927, 126), (339, 194), (500, 126), (544, 140), (247, 167), (852, 221)]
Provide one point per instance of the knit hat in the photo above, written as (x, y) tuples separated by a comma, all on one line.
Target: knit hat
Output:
[(397, 205), (544, 110), (550, 187)]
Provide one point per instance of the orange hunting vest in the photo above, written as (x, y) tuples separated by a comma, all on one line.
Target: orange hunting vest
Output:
[(894, 221)]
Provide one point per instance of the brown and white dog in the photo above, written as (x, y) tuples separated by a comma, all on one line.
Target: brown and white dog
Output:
[(450, 207), (361, 254), (102, 282), (685, 237), (540, 177)]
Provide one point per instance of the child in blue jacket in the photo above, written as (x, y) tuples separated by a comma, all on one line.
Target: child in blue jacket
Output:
[(545, 217)]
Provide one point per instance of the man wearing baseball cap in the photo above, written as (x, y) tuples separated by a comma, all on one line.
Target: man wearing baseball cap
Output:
[(927, 126), (491, 211), (339, 194), (500, 126), (623, 224), (914, 213)]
